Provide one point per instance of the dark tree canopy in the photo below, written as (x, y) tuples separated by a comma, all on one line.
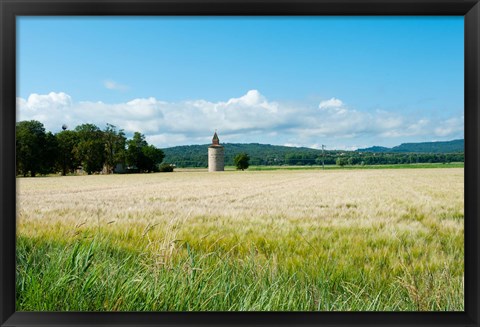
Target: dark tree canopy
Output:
[(115, 142), (87, 147), (35, 149), (90, 148), (242, 161), (141, 156), (342, 161), (67, 141)]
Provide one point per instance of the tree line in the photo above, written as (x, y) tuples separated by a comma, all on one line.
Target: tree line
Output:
[(342, 158), (86, 147), (272, 155), (352, 158)]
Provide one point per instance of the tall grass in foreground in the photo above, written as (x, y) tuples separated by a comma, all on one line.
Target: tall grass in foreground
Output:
[(90, 275), (401, 250)]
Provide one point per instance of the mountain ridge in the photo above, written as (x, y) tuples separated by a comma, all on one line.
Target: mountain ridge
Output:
[(268, 154), (452, 146), (456, 145)]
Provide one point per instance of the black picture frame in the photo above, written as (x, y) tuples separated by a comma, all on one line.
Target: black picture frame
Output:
[(9, 9)]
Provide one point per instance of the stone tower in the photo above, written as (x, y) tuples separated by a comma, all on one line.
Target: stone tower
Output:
[(216, 155)]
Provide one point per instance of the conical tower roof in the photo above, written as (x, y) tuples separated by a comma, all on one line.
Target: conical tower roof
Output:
[(215, 140)]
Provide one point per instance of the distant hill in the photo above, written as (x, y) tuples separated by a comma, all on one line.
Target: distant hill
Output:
[(267, 154), (375, 149), (260, 154), (423, 147)]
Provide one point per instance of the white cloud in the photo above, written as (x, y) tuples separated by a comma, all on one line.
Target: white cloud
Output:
[(294, 145), (388, 121), (253, 98), (347, 147), (246, 114), (451, 127), (247, 118), (43, 107), (112, 85), (39, 101), (331, 103)]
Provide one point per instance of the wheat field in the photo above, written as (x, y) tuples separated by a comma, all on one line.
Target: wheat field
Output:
[(305, 240)]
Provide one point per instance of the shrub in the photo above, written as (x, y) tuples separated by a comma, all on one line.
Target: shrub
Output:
[(242, 161), (166, 168)]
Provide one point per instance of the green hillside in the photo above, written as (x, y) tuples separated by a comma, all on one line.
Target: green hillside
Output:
[(260, 154), (423, 147), (274, 155)]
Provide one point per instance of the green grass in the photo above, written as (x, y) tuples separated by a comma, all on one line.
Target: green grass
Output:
[(90, 273), (330, 167)]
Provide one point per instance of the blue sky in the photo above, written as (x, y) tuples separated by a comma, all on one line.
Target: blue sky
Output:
[(346, 82)]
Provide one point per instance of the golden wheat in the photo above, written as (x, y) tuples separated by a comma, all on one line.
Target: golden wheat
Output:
[(402, 226)]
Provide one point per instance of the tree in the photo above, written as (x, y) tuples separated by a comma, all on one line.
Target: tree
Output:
[(293, 158), (66, 160), (153, 157), (134, 155), (353, 161), (242, 161), (30, 146), (90, 149), (142, 156), (50, 154), (341, 162), (114, 147)]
